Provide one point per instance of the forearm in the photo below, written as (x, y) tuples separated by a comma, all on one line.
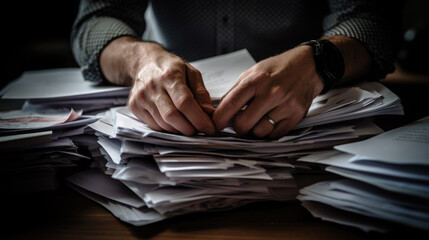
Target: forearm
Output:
[(97, 24), (122, 58)]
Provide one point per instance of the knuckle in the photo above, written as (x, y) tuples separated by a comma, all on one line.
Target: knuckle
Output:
[(132, 105), (277, 93), (183, 102), (251, 82), (169, 115), (158, 98), (259, 77), (136, 101), (292, 103), (140, 103), (255, 81), (139, 97), (172, 74), (149, 85), (202, 93), (143, 83)]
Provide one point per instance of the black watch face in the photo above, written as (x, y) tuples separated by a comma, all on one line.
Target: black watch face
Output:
[(333, 61)]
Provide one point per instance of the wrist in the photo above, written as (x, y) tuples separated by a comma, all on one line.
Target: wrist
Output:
[(329, 62), (317, 82)]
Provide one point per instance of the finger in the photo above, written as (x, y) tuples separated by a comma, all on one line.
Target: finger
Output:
[(289, 121), (242, 75), (186, 104), (140, 112), (252, 115), (148, 119), (196, 84), (264, 127), (168, 113), (233, 102), (152, 109), (282, 128)]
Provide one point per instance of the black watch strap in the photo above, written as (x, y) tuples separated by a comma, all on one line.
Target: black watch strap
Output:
[(329, 62)]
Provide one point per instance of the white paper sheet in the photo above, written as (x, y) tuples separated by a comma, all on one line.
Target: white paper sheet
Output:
[(221, 72), (62, 83), (371, 99), (364, 164), (405, 145), (11, 142), (400, 185), (36, 119), (135, 216), (365, 199), (332, 214), (95, 181)]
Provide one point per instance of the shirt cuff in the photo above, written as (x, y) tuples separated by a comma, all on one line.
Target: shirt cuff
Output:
[(374, 38), (97, 33)]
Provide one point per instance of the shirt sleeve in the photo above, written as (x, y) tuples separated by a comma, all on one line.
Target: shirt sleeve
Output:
[(97, 24), (363, 21)]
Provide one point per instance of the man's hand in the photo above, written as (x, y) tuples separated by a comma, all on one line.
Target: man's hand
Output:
[(277, 92), (280, 88), (167, 93)]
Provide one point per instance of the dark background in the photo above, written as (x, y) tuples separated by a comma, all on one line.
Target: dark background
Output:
[(36, 35)]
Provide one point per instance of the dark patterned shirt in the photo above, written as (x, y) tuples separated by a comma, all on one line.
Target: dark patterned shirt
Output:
[(197, 29)]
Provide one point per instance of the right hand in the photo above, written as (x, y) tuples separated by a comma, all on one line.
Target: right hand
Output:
[(167, 93)]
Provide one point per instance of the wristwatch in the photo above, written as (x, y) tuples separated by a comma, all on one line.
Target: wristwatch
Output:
[(329, 62)]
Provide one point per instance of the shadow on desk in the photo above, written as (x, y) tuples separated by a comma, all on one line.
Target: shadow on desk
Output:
[(65, 214)]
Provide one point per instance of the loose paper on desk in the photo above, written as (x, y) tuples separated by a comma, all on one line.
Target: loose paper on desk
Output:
[(36, 118), (405, 145), (59, 84)]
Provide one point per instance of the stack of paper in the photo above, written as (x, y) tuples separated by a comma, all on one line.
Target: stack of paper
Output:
[(124, 125), (38, 166), (387, 178), (38, 141), (143, 176), (156, 175), (59, 88), (36, 147), (171, 180)]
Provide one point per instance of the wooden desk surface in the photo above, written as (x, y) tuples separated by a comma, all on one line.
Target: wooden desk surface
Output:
[(65, 214)]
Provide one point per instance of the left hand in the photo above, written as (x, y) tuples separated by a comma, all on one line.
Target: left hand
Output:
[(280, 88)]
